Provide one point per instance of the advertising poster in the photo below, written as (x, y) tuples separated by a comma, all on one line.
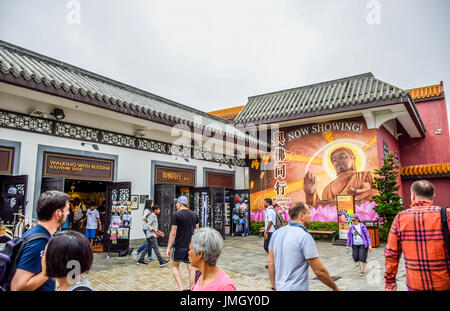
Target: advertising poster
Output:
[(345, 210), (314, 163)]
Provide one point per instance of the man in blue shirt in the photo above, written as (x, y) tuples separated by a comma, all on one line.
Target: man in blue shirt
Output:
[(93, 222), (292, 250), (52, 209)]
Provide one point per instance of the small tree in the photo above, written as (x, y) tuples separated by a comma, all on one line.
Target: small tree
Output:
[(388, 200)]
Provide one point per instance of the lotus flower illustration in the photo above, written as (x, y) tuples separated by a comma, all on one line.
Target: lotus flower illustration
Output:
[(327, 213)]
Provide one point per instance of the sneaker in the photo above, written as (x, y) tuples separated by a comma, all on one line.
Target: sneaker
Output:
[(136, 255), (142, 263), (165, 262), (151, 259)]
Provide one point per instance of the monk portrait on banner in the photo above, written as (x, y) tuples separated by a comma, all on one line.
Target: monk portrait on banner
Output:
[(348, 182)]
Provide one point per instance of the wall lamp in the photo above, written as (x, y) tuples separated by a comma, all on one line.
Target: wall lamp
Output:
[(58, 113), (95, 146)]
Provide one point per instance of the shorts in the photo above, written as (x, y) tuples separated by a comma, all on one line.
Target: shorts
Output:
[(359, 253), (90, 233), (180, 255)]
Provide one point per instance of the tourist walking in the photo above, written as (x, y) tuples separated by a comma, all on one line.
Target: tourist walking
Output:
[(152, 233), (292, 250), (52, 209), (78, 215), (147, 211), (204, 251), (418, 233), (358, 239), (92, 220), (270, 218), (183, 224), (67, 251)]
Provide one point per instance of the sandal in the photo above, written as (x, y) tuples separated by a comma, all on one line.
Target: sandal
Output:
[(361, 274)]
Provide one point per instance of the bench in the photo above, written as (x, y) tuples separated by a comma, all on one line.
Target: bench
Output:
[(330, 233)]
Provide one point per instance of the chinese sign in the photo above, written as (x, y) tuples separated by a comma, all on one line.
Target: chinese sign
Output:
[(280, 186), (175, 176)]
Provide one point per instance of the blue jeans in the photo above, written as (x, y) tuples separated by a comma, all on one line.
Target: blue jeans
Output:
[(144, 245)]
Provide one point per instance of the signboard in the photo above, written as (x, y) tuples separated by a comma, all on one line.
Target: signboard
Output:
[(219, 180), (174, 176), (68, 166), (345, 210), (6, 160)]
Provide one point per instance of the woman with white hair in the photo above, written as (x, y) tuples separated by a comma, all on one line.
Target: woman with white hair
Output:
[(204, 251)]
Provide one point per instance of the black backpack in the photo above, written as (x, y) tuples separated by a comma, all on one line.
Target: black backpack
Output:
[(10, 256)]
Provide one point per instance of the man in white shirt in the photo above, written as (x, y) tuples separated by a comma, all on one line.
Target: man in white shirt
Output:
[(270, 218)]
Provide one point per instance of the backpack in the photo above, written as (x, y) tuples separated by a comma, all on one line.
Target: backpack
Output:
[(279, 222), (10, 256)]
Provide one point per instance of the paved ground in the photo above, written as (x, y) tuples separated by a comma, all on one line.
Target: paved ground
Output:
[(243, 258)]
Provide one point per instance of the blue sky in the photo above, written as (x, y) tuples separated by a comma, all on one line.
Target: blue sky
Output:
[(215, 54)]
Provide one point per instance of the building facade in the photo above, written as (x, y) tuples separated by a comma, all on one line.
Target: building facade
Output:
[(327, 139), (64, 128)]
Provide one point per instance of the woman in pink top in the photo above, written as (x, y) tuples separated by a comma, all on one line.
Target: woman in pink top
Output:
[(204, 251)]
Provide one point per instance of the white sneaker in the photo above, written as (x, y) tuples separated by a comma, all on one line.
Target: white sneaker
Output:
[(136, 255)]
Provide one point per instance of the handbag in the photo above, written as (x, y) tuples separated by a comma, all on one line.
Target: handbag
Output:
[(354, 229)]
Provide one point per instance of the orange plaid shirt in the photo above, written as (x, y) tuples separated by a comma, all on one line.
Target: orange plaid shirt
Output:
[(417, 233)]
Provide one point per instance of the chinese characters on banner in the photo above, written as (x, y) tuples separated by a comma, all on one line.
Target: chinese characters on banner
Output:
[(279, 155)]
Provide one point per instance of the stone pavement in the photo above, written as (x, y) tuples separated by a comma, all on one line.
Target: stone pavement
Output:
[(244, 260)]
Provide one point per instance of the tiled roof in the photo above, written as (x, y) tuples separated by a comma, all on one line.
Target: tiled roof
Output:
[(426, 169), (426, 92), (228, 114), (17, 63), (322, 97)]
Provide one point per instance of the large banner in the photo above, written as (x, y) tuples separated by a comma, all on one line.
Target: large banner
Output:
[(314, 163)]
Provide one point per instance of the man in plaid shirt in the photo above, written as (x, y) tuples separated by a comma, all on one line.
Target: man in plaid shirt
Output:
[(417, 232)]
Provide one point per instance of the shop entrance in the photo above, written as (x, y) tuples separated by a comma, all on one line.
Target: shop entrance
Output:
[(207, 202), (81, 193), (236, 202), (165, 196), (104, 195), (237, 210)]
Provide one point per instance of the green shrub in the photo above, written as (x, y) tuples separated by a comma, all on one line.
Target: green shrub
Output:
[(315, 225), (254, 227), (388, 200), (323, 226)]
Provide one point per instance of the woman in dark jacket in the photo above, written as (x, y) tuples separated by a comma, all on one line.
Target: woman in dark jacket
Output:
[(358, 239)]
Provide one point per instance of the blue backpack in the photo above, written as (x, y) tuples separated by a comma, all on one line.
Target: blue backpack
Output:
[(10, 256)]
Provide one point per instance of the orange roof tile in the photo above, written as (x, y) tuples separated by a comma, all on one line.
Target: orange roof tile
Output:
[(227, 113), (426, 92), (426, 169)]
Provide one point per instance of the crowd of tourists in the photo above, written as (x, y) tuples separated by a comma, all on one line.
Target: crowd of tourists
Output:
[(420, 233)]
